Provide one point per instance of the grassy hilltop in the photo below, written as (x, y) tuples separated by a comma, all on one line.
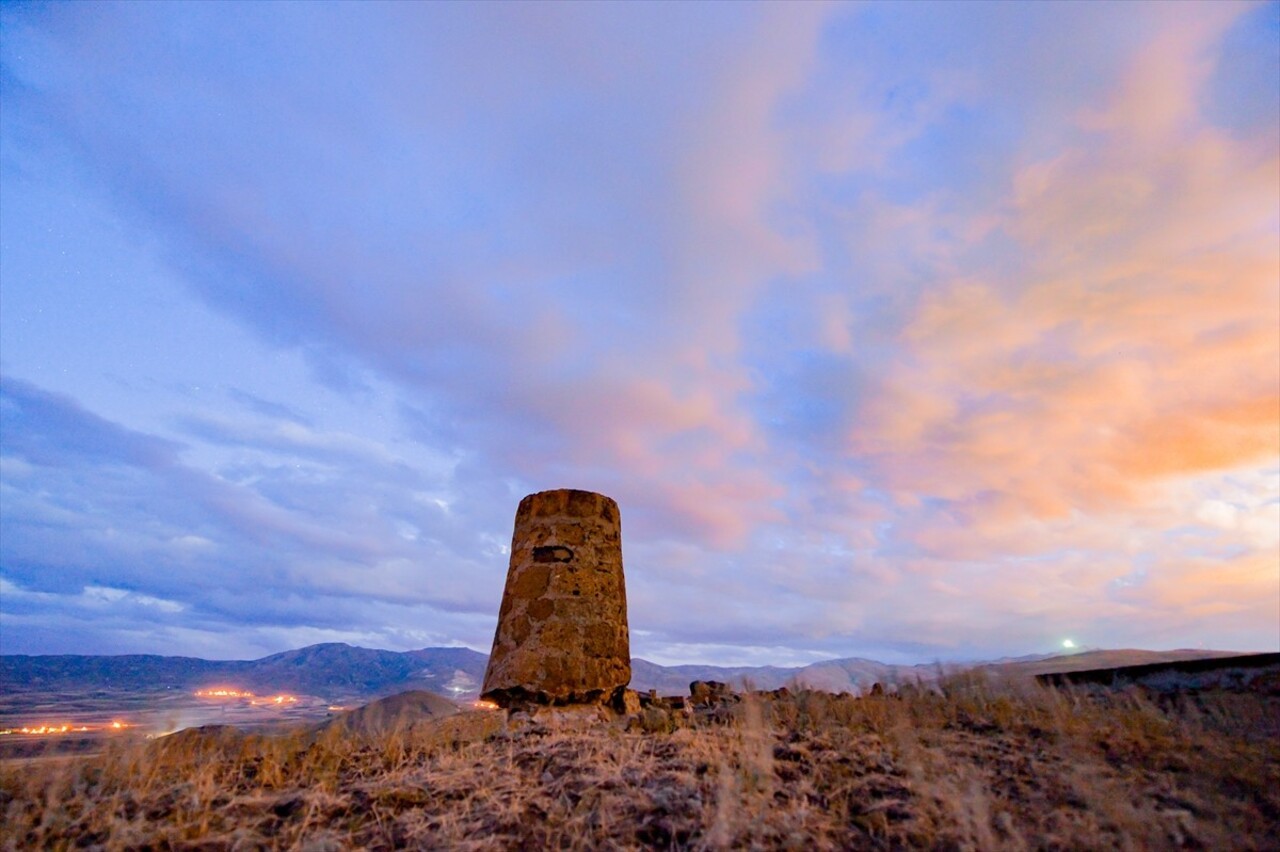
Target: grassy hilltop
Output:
[(978, 767)]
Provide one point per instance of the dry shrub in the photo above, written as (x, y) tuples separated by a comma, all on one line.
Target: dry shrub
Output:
[(971, 765)]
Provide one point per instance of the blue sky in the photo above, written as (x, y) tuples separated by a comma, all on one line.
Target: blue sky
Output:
[(907, 331)]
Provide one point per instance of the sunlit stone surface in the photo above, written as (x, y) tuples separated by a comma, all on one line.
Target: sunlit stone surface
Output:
[(562, 630)]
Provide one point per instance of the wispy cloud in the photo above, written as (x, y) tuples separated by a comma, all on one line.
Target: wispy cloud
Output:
[(913, 330)]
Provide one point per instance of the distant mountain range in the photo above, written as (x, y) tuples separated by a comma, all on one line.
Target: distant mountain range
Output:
[(331, 670), (339, 671)]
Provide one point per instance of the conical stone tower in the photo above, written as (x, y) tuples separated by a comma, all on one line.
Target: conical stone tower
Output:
[(562, 631)]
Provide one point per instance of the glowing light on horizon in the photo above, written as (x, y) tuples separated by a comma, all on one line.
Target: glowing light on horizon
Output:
[(55, 728), (222, 692), (1068, 644), (278, 700)]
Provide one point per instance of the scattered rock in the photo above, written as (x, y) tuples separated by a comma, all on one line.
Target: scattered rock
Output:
[(655, 720), (704, 693), (566, 717), (627, 702)]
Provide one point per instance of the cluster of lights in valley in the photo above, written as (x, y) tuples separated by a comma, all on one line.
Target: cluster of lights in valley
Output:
[(218, 693)]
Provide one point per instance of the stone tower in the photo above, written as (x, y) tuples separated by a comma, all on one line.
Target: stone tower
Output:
[(562, 630)]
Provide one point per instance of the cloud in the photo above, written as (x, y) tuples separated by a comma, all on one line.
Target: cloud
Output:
[(52, 429), (913, 329), (1136, 341), (278, 546), (493, 330)]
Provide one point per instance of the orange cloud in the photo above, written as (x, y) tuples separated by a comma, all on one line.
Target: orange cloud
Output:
[(1215, 586), (1139, 339)]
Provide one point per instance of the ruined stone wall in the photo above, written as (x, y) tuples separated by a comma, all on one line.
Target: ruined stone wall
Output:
[(562, 631)]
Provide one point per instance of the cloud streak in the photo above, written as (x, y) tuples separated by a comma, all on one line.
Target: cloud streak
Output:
[(912, 331)]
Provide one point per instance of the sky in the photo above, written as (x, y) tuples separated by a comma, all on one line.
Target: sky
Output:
[(905, 331)]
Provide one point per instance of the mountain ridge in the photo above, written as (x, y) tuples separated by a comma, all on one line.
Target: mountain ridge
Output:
[(337, 670)]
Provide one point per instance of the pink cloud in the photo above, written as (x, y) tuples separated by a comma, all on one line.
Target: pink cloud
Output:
[(1139, 340), (1159, 93)]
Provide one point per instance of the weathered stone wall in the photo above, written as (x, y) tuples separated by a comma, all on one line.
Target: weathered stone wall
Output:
[(562, 631)]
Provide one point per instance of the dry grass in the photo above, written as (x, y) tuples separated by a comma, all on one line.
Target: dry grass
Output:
[(976, 768)]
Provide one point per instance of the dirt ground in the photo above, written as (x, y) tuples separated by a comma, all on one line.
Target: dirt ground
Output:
[(976, 767)]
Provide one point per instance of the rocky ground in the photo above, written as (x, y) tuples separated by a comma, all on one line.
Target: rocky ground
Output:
[(972, 767)]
